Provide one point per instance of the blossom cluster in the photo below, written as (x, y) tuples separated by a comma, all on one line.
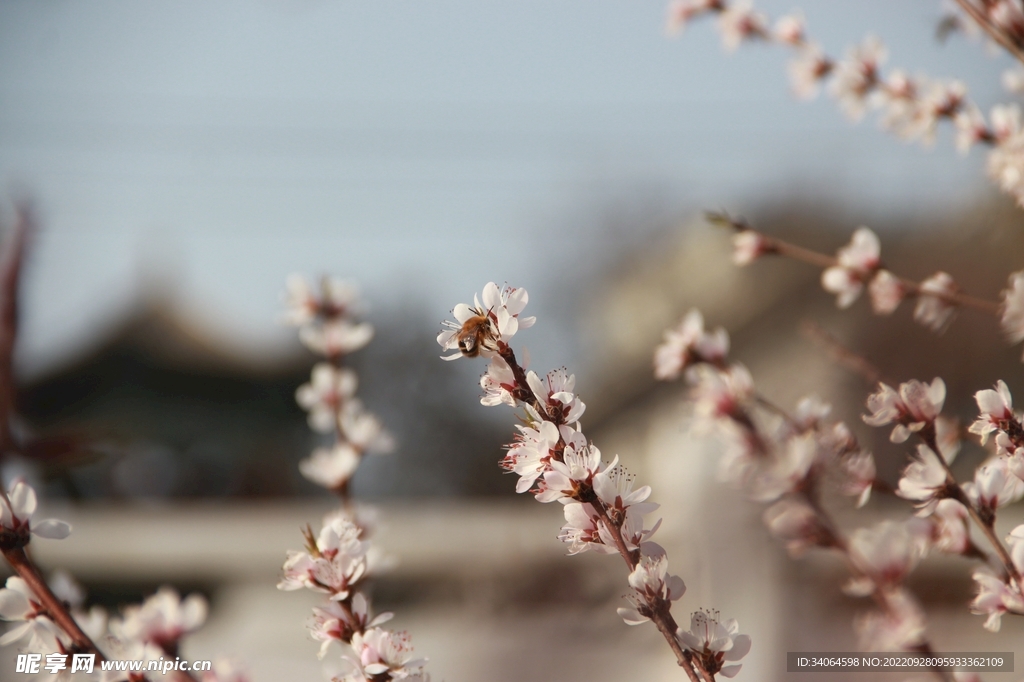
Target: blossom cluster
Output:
[(910, 106), (338, 560), (49, 618), (787, 459), (604, 510), (328, 324), (857, 266)]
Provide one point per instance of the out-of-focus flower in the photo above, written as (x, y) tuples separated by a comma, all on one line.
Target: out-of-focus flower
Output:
[(1013, 308), (688, 344), (915, 406), (924, 479), (226, 670), (887, 552), (1006, 166), (324, 395), (886, 292), (720, 393), (336, 337), (1005, 121), (993, 486), (331, 467), (682, 12), (714, 642), (971, 128), (857, 75), (933, 308), (738, 22), (795, 524), (859, 472), (162, 619), (901, 627), (336, 299), (857, 263), (950, 532), (748, 246), (808, 70), (790, 29)]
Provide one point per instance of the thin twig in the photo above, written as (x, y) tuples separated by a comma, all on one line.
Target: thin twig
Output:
[(991, 29)]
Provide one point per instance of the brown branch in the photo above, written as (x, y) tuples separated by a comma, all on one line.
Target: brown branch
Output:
[(840, 353), (822, 260), (11, 262), (993, 31), (54, 607)]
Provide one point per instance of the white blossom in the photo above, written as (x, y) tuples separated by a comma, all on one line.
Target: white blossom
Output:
[(687, 344), (995, 597), (796, 524), (332, 564), (162, 619), (738, 22), (556, 397), (887, 552), (681, 12), (933, 309), (499, 384), (650, 583), (324, 395), (790, 29), (994, 485), (996, 408), (1006, 166), (901, 627), (331, 467), (20, 605), (1013, 308), (17, 508), (886, 291), (915, 406), (857, 262), (715, 642), (748, 246), (383, 651), (924, 479), (857, 75), (950, 532), (494, 318), (807, 71)]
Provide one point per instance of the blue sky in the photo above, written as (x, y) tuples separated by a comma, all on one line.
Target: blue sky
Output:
[(211, 148)]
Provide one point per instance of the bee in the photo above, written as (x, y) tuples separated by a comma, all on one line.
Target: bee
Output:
[(476, 334)]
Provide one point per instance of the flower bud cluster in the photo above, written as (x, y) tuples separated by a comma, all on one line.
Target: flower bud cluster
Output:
[(555, 461), (909, 106)]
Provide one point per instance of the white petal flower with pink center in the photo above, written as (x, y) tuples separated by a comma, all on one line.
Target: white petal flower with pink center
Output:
[(562, 479), (162, 619), (808, 70), (19, 604), (887, 552), (688, 344), (971, 128), (332, 564), (650, 583), (499, 384), (768, 480), (632, 531), (796, 524), (363, 429), (556, 397), (915, 406), (950, 531), (857, 75), (333, 622), (886, 291), (790, 29), (899, 628), (1005, 121), (739, 22), (933, 308), (614, 487), (859, 473), (383, 651), (325, 394), (335, 299), (748, 246), (720, 393), (336, 337), (333, 467), (17, 508), (1012, 319), (995, 597), (996, 409), (924, 480), (994, 485), (529, 455), (857, 263), (582, 527), (1006, 166), (714, 642)]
